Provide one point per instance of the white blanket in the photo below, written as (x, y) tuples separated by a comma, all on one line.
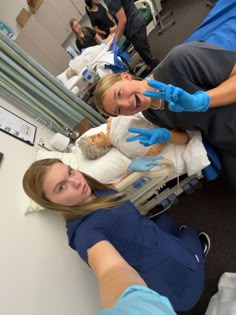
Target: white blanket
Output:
[(96, 55), (87, 57), (190, 158), (224, 301)]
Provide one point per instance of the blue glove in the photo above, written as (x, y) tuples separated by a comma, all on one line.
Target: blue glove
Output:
[(148, 137), (144, 164), (178, 99), (118, 54)]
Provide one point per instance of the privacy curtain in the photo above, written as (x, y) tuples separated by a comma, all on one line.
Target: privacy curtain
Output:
[(36, 91)]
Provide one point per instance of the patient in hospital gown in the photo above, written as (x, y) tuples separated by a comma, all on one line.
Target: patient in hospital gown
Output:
[(190, 157), (97, 145)]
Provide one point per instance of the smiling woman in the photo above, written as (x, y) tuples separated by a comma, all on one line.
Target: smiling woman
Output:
[(122, 94), (196, 96)]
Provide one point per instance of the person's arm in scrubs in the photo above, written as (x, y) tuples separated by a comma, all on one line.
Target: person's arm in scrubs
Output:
[(224, 94), (122, 19), (117, 10), (200, 101), (122, 290)]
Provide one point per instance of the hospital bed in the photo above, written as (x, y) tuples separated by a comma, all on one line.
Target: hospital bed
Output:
[(93, 58), (151, 191), (157, 187), (98, 61)]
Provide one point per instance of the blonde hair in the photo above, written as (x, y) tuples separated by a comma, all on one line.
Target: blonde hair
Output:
[(81, 39), (103, 86), (33, 187)]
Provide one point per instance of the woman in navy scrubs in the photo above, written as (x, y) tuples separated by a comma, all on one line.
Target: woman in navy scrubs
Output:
[(170, 260)]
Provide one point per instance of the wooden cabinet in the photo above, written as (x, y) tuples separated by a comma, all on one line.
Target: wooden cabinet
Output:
[(43, 47), (64, 10), (80, 5), (55, 17), (51, 22), (46, 31)]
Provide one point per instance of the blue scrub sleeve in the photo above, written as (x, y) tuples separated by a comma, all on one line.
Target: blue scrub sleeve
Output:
[(89, 233), (139, 300)]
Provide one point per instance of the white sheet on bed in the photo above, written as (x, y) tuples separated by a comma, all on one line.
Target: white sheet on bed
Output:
[(90, 56), (190, 158)]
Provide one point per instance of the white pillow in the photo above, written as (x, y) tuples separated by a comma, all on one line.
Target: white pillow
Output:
[(108, 168), (68, 158), (63, 77)]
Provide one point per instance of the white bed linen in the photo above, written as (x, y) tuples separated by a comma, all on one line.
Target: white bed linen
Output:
[(224, 301), (190, 158), (90, 56)]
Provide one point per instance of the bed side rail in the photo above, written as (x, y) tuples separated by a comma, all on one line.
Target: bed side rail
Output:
[(140, 185)]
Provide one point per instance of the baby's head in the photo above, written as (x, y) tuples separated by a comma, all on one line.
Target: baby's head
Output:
[(95, 146)]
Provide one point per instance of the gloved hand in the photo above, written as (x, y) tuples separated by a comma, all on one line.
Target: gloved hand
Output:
[(119, 66), (148, 137), (115, 46), (178, 99), (144, 164)]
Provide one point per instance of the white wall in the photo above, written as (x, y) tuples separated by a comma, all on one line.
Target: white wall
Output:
[(39, 273), (9, 9)]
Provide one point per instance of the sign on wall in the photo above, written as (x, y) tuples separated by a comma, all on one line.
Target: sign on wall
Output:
[(17, 127)]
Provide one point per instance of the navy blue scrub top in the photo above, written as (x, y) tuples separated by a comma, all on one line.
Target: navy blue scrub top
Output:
[(163, 260)]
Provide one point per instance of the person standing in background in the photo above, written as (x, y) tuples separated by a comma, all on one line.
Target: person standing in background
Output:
[(131, 23), (100, 18)]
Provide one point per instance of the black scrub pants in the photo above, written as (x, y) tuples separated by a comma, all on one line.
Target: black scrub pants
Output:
[(140, 42)]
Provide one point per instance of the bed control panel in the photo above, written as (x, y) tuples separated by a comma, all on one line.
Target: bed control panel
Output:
[(160, 197), (140, 182)]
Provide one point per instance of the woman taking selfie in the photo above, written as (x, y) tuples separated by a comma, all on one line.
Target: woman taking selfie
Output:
[(170, 260)]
